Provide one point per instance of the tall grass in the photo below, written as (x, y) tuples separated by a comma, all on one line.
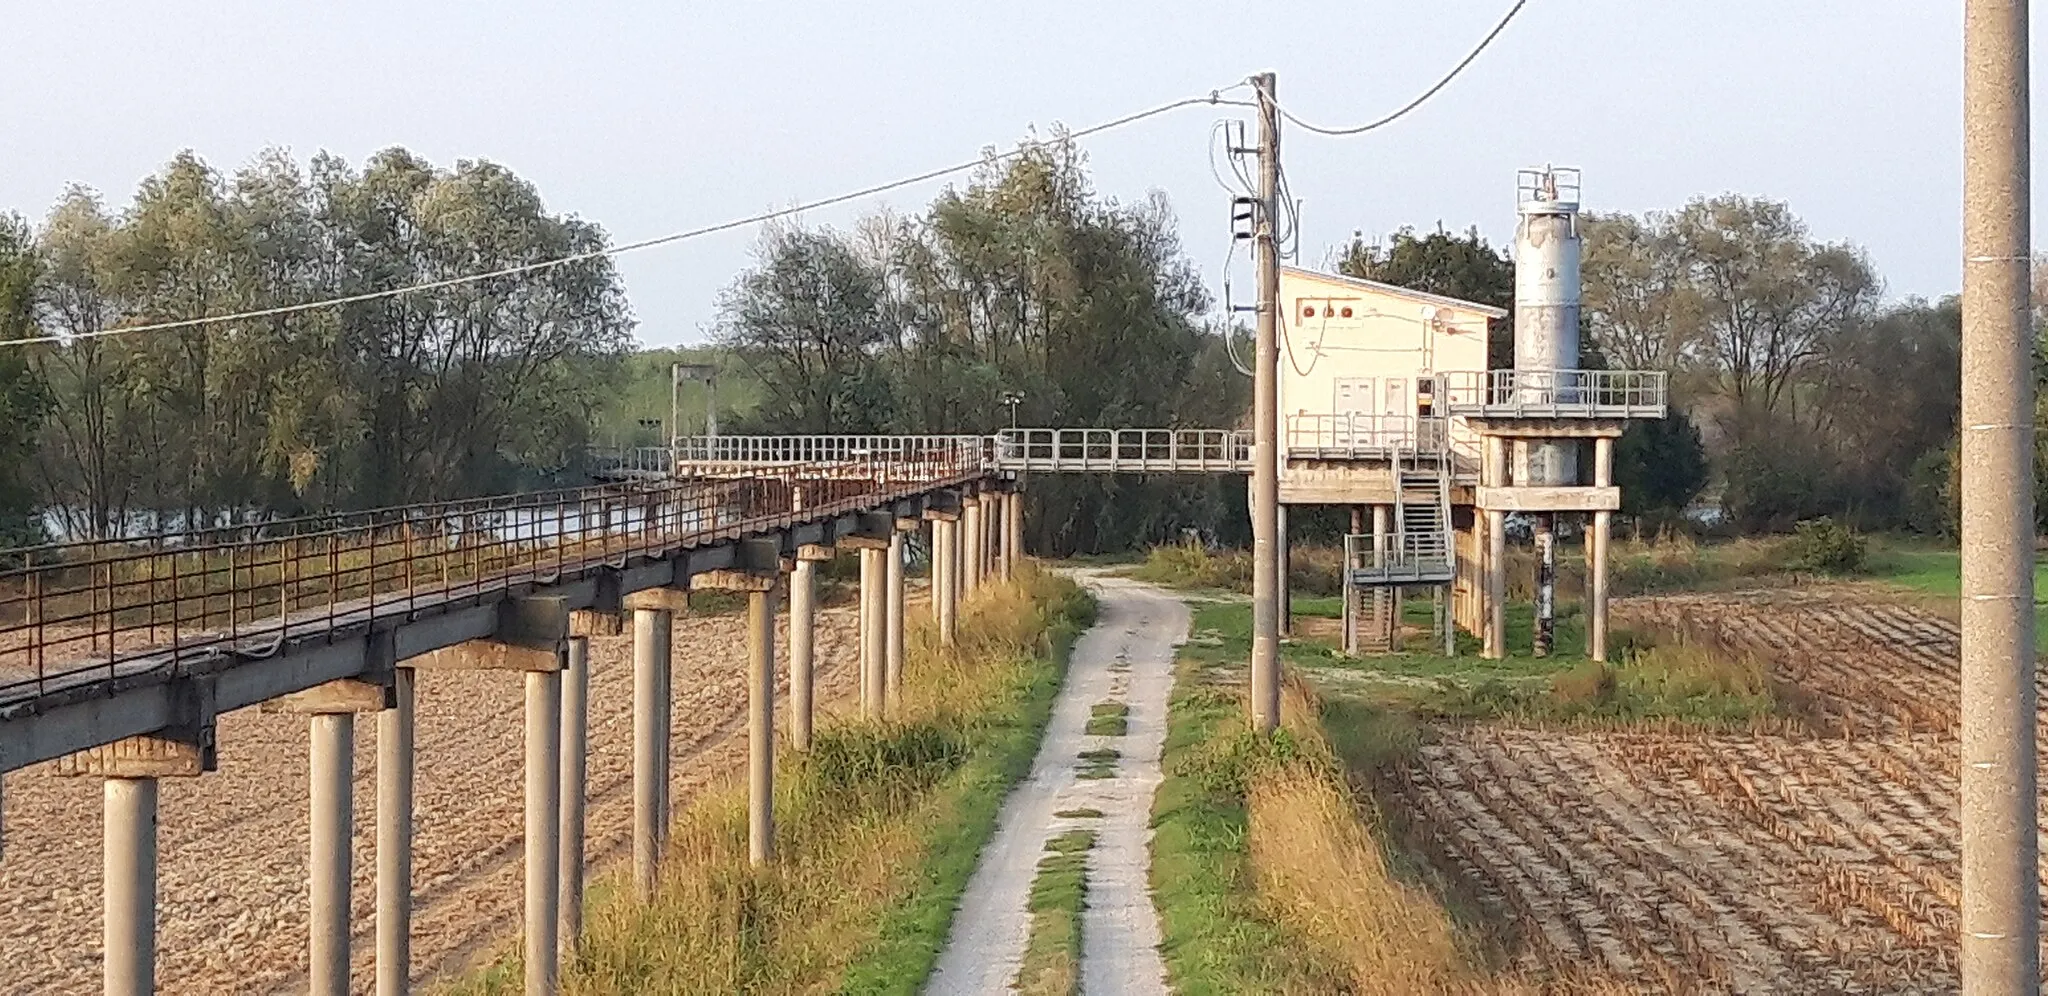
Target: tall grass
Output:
[(1312, 570), (1273, 870), (877, 829)]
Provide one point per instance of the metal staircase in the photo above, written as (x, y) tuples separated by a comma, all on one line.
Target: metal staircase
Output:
[(1419, 550), (1416, 552)]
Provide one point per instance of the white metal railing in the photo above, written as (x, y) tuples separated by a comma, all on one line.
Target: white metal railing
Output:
[(1556, 393), (1406, 556), (1124, 450), (774, 450), (1351, 435)]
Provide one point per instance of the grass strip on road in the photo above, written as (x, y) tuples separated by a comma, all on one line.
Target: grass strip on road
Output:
[(1052, 960)]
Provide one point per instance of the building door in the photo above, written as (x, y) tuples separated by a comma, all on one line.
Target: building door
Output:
[(1355, 408), (1397, 411)]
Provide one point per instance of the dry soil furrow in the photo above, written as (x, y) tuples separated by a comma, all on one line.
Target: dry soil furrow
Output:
[(232, 906)]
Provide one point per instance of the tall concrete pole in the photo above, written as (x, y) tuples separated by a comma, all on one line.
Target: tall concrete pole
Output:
[(574, 774), (129, 856), (892, 671), (1546, 583), (651, 629), (394, 839), (543, 828), (2001, 893), (1265, 503), (333, 771), (760, 726), (803, 622)]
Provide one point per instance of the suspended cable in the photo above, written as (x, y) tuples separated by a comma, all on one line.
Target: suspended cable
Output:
[(1417, 102), (1214, 97)]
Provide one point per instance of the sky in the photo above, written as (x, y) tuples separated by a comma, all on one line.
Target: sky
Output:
[(653, 117)]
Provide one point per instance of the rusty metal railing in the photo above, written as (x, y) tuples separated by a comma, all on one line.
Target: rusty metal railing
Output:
[(76, 612)]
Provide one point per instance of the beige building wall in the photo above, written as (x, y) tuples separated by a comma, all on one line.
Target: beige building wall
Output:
[(1360, 346)]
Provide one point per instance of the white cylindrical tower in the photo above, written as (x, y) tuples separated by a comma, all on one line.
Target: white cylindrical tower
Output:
[(1547, 248)]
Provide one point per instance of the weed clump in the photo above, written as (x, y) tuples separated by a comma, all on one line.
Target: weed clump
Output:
[(1109, 719), (1828, 547)]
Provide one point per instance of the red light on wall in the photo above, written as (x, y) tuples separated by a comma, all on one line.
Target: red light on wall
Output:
[(1347, 312), (1309, 312)]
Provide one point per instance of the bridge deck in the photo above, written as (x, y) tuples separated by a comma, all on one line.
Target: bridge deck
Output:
[(107, 640)]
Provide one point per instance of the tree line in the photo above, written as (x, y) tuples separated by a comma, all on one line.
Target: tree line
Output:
[(1023, 293), (1023, 283), (467, 389)]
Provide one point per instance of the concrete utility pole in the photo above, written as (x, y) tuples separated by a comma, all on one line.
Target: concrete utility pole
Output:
[(1265, 427), (2001, 926), (543, 800)]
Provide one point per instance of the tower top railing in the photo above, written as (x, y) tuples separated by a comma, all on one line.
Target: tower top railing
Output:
[(1556, 393)]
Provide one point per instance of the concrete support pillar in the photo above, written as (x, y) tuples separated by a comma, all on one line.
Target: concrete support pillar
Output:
[(130, 768), (761, 725), (874, 624), (328, 864), (1013, 521), (129, 856), (574, 794), (975, 538), (892, 669), (1596, 554), (1543, 631), (1493, 473), (1496, 586), (651, 634), (945, 576), (543, 829), (394, 839), (1384, 622), (803, 622)]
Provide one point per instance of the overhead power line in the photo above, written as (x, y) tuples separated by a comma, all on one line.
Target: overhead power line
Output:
[(1426, 94), (1214, 97)]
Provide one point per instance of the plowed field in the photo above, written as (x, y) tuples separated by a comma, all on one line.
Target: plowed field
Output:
[(232, 900), (1824, 861)]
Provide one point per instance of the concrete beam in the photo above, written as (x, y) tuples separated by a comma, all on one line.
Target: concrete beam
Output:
[(346, 695), (1549, 499), (659, 599), (143, 757), (1549, 428), (596, 622)]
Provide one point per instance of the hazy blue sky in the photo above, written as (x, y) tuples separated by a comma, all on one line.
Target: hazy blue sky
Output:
[(651, 117)]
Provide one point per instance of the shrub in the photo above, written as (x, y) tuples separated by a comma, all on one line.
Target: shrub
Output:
[(1825, 545)]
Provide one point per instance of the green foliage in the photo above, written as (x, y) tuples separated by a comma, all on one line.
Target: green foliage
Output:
[(1024, 280), (1661, 466), (1108, 719), (1824, 545), (480, 387), (22, 395)]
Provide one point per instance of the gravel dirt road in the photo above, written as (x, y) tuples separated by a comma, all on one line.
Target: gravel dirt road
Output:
[(1127, 657), (232, 912)]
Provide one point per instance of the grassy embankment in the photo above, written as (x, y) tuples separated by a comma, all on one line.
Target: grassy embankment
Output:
[(877, 831), (1284, 866)]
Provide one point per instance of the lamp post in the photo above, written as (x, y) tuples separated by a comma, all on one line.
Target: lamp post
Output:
[(1012, 399)]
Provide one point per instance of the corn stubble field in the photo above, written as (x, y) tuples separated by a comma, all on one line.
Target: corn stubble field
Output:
[(1817, 854)]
